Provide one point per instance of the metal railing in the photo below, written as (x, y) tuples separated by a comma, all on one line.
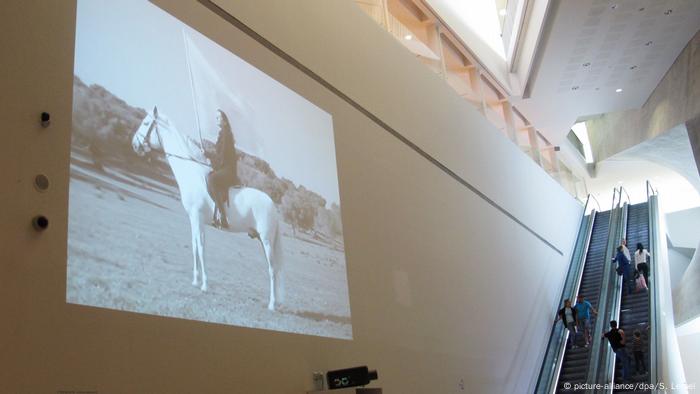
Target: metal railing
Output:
[(616, 297), (622, 189), (599, 354), (588, 200), (651, 191)]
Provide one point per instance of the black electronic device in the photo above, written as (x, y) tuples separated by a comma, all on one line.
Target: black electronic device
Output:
[(350, 377), (45, 119), (40, 223)]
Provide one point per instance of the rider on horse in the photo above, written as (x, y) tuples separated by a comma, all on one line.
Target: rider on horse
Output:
[(224, 174)]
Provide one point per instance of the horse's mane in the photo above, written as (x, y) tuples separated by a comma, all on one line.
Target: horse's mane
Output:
[(196, 152)]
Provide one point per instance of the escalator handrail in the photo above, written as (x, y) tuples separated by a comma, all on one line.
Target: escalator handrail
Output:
[(588, 200), (654, 316), (550, 371), (595, 346), (627, 194), (616, 304), (651, 191)]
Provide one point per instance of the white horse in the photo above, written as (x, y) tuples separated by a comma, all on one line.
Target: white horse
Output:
[(250, 210)]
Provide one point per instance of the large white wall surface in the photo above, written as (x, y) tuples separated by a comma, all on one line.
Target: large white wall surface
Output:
[(684, 227), (677, 264), (686, 305), (690, 349), (457, 243), (335, 40)]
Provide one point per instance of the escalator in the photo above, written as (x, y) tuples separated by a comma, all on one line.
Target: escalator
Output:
[(592, 274), (574, 367), (634, 309)]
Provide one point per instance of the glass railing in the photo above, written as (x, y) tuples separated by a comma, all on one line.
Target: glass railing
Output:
[(433, 43)]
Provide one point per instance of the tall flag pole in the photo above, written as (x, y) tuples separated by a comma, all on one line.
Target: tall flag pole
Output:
[(192, 88)]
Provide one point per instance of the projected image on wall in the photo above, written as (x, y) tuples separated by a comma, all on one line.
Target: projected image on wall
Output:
[(200, 187)]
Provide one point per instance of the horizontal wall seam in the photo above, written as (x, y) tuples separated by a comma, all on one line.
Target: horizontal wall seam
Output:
[(295, 63)]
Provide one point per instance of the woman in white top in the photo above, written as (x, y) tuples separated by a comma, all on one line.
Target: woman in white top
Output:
[(640, 261)]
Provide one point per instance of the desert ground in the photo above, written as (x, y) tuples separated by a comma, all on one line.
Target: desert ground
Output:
[(129, 248)]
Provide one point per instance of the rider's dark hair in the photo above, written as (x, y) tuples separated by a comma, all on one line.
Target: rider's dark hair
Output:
[(224, 117)]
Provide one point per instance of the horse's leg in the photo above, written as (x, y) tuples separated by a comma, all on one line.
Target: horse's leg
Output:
[(195, 254), (200, 252), (267, 248)]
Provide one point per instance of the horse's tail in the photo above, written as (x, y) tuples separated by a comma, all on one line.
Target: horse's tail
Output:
[(278, 258)]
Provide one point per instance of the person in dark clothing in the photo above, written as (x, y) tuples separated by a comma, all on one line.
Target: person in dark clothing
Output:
[(224, 174), (625, 268), (638, 351), (617, 340), (567, 315)]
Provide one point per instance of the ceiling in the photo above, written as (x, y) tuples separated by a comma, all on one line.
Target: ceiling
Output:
[(666, 161), (676, 193), (591, 48)]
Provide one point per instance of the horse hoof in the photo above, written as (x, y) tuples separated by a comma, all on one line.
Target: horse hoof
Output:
[(271, 307), (204, 287), (194, 283)]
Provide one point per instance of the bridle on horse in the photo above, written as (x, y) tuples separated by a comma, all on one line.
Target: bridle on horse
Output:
[(147, 138)]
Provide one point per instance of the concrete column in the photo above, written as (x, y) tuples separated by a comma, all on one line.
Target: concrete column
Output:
[(693, 128)]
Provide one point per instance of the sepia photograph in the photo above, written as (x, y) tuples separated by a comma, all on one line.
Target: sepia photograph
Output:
[(200, 187)]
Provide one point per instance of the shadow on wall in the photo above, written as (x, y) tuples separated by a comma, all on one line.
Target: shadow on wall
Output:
[(686, 296)]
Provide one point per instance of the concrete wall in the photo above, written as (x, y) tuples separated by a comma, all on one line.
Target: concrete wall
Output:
[(478, 234), (675, 101), (693, 127)]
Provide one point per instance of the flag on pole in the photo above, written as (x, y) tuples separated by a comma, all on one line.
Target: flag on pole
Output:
[(210, 93)]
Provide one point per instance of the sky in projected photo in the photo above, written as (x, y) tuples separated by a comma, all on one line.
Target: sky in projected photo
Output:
[(138, 52)]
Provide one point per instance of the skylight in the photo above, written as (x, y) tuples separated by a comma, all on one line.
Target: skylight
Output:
[(482, 18), (582, 133)]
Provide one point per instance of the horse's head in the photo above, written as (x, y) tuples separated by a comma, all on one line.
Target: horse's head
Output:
[(147, 136)]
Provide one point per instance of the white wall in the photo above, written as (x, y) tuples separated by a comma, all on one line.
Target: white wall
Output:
[(689, 343), (690, 351), (686, 296), (677, 263), (443, 285), (684, 227)]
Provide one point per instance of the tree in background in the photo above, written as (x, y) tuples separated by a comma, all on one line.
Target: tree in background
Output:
[(299, 208)]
